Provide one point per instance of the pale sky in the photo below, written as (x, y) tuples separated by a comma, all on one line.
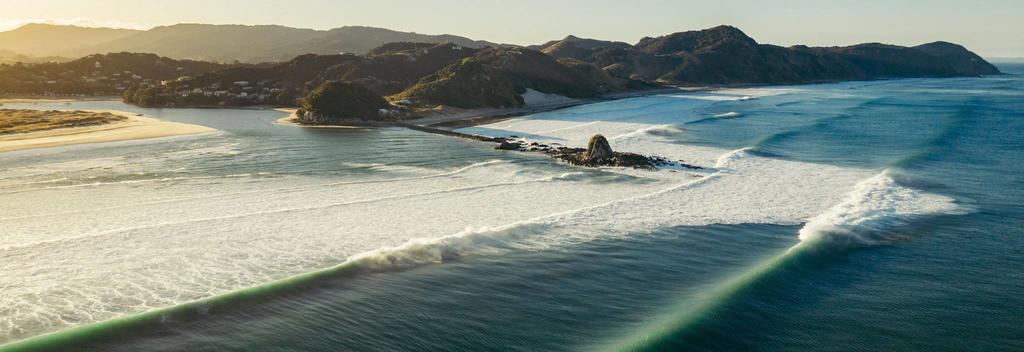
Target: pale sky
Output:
[(993, 28)]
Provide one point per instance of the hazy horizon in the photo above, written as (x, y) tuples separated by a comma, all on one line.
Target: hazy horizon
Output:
[(992, 29)]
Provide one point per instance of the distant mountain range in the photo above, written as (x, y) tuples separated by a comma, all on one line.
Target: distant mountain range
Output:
[(222, 43), (56, 40)]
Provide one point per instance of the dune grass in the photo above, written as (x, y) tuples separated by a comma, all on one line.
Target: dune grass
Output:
[(21, 121)]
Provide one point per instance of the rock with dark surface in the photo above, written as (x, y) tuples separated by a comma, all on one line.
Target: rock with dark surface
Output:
[(598, 149), (509, 145), (598, 152)]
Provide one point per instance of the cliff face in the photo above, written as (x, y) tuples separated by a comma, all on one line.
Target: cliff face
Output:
[(724, 55)]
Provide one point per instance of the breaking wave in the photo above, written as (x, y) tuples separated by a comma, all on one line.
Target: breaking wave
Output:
[(875, 205)]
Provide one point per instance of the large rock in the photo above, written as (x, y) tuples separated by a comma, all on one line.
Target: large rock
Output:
[(598, 149)]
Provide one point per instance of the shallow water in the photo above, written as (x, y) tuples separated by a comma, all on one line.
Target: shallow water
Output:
[(855, 216)]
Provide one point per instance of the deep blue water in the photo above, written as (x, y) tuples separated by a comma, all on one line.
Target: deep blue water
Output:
[(944, 283)]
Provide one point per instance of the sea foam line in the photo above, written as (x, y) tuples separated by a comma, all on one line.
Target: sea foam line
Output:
[(564, 176), (165, 179), (218, 195)]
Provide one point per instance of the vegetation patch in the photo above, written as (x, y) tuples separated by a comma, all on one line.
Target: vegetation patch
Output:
[(21, 121), (338, 102)]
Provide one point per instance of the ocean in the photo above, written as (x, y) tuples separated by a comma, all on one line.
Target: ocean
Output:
[(855, 216)]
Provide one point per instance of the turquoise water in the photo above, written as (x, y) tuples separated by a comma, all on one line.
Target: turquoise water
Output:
[(944, 281)]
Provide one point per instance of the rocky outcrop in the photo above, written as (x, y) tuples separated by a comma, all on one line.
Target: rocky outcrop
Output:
[(598, 150), (598, 153)]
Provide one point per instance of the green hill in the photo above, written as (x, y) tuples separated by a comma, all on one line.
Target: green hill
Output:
[(496, 77), (339, 102)]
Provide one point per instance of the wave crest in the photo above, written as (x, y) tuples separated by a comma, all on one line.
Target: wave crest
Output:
[(874, 205), (472, 241)]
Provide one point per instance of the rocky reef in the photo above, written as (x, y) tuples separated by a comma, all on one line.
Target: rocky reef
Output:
[(598, 153)]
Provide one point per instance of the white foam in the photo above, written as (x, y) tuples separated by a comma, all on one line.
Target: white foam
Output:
[(728, 115), (875, 205)]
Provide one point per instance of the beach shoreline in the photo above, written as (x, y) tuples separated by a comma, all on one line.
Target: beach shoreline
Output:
[(135, 127), (455, 118)]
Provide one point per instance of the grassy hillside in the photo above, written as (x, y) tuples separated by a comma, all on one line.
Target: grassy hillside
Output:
[(23, 121), (496, 77)]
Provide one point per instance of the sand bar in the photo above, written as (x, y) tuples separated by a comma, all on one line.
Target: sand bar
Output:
[(135, 127)]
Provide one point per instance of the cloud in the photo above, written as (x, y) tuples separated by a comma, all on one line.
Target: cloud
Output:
[(9, 24)]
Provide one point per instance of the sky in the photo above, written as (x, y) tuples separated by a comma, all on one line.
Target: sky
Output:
[(993, 28)]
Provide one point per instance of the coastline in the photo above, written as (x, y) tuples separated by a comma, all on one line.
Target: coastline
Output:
[(134, 128), (290, 121), (476, 117)]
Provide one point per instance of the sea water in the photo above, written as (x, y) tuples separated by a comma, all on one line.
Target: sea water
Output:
[(877, 215)]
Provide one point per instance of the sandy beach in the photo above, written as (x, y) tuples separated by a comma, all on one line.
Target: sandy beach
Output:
[(291, 120), (135, 127)]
